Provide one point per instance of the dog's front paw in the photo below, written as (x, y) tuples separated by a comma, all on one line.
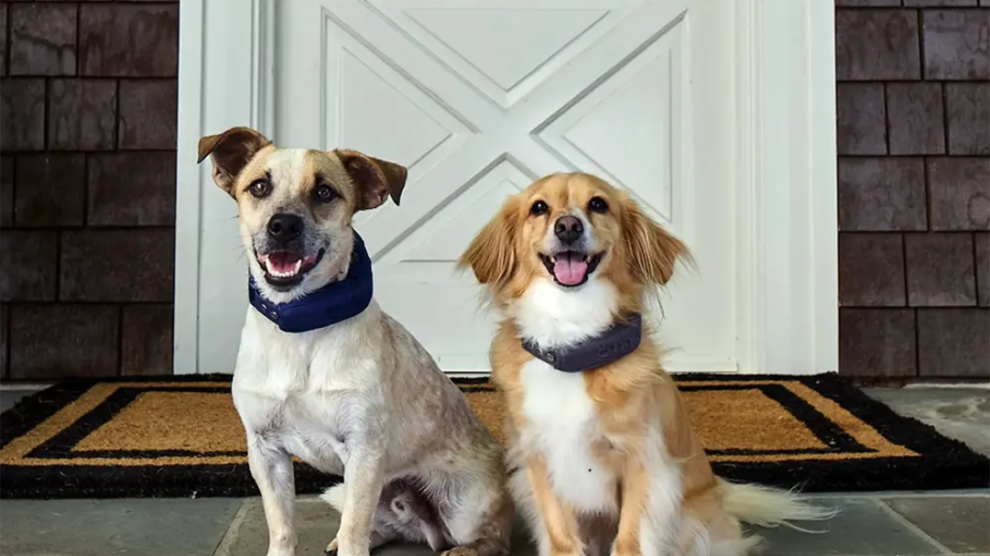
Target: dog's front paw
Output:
[(620, 550), (282, 549), (334, 549), (460, 551)]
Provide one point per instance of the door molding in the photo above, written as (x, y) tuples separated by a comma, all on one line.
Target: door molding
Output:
[(787, 253), (786, 222)]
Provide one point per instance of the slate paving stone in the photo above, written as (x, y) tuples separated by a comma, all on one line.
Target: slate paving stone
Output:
[(959, 523), (316, 525), (136, 527), (9, 399), (862, 528), (960, 413)]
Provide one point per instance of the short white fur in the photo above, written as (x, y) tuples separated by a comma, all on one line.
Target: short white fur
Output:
[(360, 398)]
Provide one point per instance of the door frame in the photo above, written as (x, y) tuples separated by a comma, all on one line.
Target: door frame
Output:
[(786, 302)]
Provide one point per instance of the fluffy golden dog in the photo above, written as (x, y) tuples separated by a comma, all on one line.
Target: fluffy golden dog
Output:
[(605, 458)]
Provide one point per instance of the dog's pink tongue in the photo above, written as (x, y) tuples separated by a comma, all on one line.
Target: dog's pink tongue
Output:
[(570, 269), (283, 262)]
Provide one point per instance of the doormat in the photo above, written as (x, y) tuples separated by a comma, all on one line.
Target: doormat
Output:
[(181, 437)]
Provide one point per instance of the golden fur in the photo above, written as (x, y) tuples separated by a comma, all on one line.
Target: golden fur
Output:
[(632, 396)]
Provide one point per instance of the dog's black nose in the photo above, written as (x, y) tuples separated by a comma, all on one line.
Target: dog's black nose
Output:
[(568, 229), (284, 228)]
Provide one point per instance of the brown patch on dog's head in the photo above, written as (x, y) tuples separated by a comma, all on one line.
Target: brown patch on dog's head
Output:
[(376, 179), (295, 206), (230, 152), (570, 227)]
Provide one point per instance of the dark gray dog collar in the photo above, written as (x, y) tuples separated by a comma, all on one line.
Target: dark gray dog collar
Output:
[(613, 344)]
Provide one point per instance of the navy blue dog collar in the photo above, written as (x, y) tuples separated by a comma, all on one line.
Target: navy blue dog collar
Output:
[(333, 303), (613, 344)]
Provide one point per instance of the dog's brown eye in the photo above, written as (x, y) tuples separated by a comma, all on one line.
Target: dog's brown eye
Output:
[(539, 208), (324, 193), (597, 204), (260, 188)]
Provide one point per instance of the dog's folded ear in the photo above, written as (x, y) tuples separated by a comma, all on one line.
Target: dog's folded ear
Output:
[(230, 152), (375, 179), (492, 252), (651, 251)]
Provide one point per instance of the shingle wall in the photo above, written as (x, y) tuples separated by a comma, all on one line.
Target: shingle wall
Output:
[(88, 187), (913, 87)]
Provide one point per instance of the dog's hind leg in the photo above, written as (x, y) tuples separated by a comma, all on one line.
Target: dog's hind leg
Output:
[(402, 514), (334, 496), (406, 510), (478, 516)]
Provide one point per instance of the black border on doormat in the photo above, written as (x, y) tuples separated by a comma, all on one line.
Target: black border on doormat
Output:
[(943, 464)]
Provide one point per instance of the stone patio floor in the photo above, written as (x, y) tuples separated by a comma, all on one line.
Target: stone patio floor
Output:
[(870, 524)]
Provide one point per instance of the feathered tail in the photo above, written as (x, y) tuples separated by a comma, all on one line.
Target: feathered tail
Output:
[(770, 507), (335, 497)]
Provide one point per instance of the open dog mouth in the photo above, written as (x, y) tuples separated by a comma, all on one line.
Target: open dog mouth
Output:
[(571, 268), (285, 267)]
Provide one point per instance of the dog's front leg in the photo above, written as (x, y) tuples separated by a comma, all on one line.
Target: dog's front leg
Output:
[(271, 468), (364, 475), (560, 527), (650, 509)]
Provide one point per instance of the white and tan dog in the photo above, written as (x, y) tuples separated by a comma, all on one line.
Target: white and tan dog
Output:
[(606, 459), (359, 397)]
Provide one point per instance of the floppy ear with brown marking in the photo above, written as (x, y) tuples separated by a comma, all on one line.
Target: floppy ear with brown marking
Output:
[(492, 253), (375, 179), (651, 251), (230, 152)]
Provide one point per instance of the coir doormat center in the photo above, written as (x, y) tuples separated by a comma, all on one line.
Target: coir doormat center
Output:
[(181, 436)]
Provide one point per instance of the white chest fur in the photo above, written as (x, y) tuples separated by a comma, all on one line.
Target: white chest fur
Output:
[(310, 390), (561, 422)]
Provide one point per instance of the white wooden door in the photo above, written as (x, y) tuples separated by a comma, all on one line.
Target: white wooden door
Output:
[(480, 97)]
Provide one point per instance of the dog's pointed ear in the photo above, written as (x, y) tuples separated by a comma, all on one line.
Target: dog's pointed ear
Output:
[(375, 179), (230, 152), (492, 253), (651, 250)]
